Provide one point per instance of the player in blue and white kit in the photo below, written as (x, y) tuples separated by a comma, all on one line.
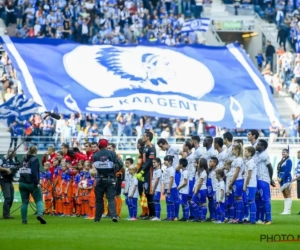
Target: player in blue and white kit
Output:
[(133, 193), (244, 196), (128, 163), (188, 154), (222, 154), (253, 135), (297, 176), (198, 201), (284, 170), (171, 192), (183, 189), (237, 182), (220, 196), (250, 181), (198, 153), (264, 176), (229, 200), (156, 187), (212, 180), (173, 151), (210, 152)]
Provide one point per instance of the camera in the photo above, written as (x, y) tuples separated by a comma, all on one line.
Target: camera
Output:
[(13, 167)]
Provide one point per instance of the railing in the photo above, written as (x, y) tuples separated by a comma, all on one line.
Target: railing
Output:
[(214, 32), (123, 143), (243, 9)]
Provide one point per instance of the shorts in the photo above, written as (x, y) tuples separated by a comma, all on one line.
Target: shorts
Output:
[(183, 198), (173, 196), (210, 190), (229, 199), (200, 198), (244, 197), (157, 196), (251, 193), (238, 188), (177, 178), (191, 186), (264, 190)]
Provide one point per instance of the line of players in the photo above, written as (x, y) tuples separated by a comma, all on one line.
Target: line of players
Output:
[(68, 182), (235, 182)]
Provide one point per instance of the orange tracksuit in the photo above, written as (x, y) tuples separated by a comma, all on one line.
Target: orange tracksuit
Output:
[(57, 178), (47, 191), (66, 191)]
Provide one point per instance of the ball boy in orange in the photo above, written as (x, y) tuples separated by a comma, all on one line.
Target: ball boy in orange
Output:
[(47, 188)]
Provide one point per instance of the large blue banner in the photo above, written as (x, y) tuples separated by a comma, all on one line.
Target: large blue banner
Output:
[(219, 84)]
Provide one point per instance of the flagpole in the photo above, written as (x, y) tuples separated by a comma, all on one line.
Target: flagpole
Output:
[(25, 138)]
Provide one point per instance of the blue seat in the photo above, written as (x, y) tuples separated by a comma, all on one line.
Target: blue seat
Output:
[(115, 124), (157, 131), (257, 8), (102, 116), (112, 117), (153, 124), (41, 146), (171, 140), (261, 14)]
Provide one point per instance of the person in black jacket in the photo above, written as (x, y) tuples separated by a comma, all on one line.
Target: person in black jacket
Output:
[(282, 35), (8, 164), (29, 184), (270, 51), (145, 172), (107, 164)]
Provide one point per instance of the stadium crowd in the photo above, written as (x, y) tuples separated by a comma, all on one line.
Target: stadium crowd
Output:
[(104, 21), (125, 129)]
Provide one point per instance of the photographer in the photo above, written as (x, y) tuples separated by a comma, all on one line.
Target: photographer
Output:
[(8, 166)]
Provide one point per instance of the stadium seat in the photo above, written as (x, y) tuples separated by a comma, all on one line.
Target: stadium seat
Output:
[(153, 124), (112, 117), (261, 14), (41, 146), (257, 8), (157, 131), (115, 124), (103, 116), (171, 140)]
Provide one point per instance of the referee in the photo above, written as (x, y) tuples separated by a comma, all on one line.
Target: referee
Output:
[(107, 164)]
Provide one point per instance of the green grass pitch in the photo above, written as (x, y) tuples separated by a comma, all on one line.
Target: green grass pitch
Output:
[(78, 233)]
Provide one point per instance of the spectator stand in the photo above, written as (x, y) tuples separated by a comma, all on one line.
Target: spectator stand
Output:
[(102, 22)]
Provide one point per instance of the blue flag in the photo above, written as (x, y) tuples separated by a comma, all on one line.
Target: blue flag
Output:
[(219, 84), (17, 108), (196, 25)]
